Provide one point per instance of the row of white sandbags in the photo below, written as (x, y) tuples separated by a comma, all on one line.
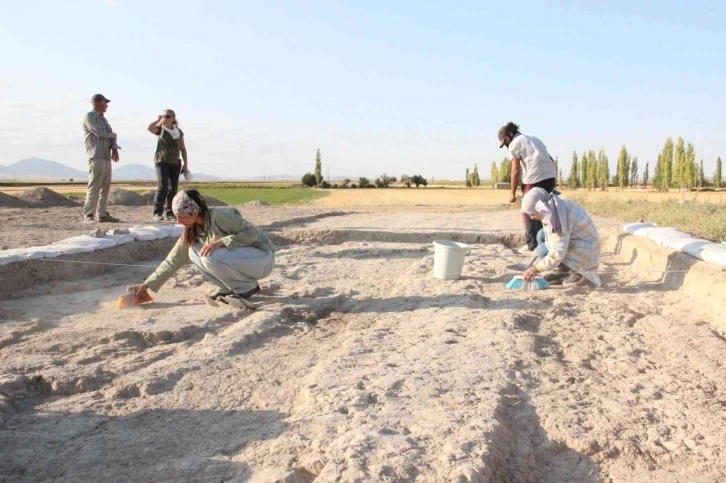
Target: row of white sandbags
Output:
[(85, 243), (670, 237)]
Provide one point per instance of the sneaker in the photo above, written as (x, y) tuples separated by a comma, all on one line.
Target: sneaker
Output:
[(89, 219), (170, 217), (107, 218), (218, 294), (247, 295), (158, 218), (214, 297)]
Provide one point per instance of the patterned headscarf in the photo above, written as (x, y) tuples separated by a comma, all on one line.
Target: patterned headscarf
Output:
[(538, 201), (184, 205)]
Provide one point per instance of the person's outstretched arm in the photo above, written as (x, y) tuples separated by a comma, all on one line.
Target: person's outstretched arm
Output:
[(177, 258)]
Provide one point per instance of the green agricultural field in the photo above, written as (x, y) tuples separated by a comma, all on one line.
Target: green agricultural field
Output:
[(240, 196), (274, 196)]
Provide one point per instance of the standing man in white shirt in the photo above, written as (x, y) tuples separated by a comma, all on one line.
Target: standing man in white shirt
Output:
[(532, 166), (101, 149)]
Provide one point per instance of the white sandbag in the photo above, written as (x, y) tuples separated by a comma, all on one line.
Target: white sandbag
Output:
[(686, 245), (12, 255), (47, 251), (714, 253), (664, 235), (631, 227), (172, 231), (121, 238), (646, 230), (83, 244), (148, 233)]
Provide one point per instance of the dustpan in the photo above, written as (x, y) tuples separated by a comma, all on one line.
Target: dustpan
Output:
[(131, 299)]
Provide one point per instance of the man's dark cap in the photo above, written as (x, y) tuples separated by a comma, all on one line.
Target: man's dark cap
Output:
[(99, 97)]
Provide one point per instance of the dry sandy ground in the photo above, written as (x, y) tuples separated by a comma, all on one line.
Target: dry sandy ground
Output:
[(343, 198), (363, 367)]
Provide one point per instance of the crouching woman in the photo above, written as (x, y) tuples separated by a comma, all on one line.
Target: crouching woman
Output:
[(231, 252), (572, 246)]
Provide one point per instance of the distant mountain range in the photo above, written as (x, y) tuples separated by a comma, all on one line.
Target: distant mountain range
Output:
[(36, 168), (45, 169), (40, 168)]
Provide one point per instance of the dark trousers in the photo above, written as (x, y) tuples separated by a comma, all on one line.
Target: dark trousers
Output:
[(168, 177), (532, 227)]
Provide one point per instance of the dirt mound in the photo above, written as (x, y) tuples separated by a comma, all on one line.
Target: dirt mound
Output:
[(257, 203), (149, 199), (122, 197), (42, 197), (7, 201)]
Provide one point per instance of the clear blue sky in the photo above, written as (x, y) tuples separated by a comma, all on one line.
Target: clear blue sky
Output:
[(396, 87)]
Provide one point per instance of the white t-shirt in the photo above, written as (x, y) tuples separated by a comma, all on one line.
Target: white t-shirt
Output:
[(536, 163)]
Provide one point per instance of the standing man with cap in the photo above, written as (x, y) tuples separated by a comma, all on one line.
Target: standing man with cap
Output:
[(531, 160), (101, 149)]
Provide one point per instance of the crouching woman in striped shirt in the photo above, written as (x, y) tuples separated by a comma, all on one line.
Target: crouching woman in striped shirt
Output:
[(572, 242), (231, 252)]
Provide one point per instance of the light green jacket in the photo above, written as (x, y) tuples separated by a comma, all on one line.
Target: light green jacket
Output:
[(220, 223)]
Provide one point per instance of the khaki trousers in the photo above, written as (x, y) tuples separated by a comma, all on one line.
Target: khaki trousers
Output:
[(99, 184), (234, 270)]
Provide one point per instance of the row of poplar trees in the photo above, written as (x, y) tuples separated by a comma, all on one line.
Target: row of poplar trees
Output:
[(592, 171), (503, 172), (676, 168)]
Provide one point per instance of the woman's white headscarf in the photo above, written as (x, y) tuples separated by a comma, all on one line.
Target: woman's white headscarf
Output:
[(539, 201), (183, 204)]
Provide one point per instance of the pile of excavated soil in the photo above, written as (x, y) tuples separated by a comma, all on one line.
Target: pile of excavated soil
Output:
[(149, 199), (122, 197), (7, 201), (257, 203), (42, 197)]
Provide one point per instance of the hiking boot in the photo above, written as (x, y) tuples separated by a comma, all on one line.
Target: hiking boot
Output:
[(575, 280), (107, 218), (170, 216), (558, 275), (158, 218)]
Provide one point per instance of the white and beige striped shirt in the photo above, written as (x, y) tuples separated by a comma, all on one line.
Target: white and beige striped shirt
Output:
[(579, 249)]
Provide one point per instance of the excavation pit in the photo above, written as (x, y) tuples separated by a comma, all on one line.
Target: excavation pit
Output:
[(363, 366)]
